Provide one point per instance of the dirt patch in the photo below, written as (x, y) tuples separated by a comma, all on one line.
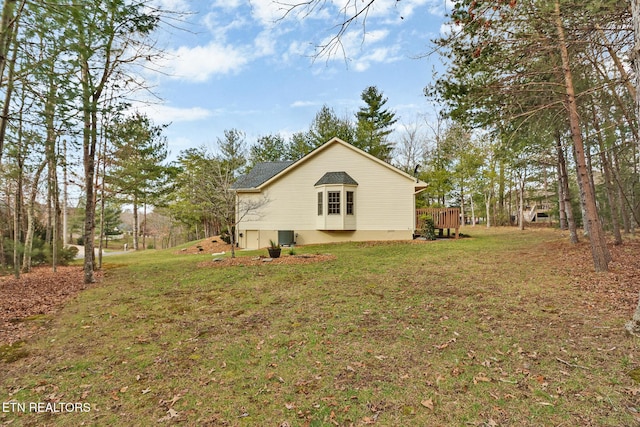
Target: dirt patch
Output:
[(216, 246), (210, 245), (261, 260)]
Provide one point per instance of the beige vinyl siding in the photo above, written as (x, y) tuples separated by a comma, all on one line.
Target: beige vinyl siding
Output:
[(384, 199)]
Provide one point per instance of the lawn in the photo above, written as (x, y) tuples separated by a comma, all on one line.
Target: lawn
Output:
[(500, 328)]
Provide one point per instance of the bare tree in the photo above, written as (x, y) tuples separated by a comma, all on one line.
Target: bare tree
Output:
[(226, 204), (411, 147)]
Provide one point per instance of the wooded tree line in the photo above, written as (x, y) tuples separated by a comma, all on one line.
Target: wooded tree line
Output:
[(68, 70), (536, 96), (551, 80)]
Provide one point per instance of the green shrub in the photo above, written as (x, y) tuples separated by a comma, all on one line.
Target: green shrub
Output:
[(428, 227), (67, 254)]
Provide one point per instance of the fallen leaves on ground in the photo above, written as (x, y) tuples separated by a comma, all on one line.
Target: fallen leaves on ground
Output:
[(39, 292), (614, 290), (210, 245)]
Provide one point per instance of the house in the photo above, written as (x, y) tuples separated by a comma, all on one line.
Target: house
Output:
[(335, 193)]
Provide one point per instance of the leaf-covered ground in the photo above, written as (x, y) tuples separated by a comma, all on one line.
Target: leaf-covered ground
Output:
[(507, 328), (40, 292)]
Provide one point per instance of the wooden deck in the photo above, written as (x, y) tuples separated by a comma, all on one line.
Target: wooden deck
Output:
[(443, 219)]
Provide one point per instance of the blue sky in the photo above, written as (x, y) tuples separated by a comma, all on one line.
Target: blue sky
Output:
[(238, 65)]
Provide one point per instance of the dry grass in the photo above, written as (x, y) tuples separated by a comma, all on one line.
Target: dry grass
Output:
[(503, 328)]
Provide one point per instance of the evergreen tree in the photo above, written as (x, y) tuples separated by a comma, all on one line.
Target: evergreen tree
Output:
[(327, 125), (374, 125), (299, 146), (233, 151), (137, 170), (268, 148)]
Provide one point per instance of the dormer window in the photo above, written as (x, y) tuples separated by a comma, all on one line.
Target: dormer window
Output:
[(338, 190)]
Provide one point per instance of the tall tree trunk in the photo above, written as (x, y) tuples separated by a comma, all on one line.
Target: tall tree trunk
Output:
[(606, 169), (562, 211), (17, 209), (28, 239), (487, 206), (89, 156), (144, 224), (53, 200), (633, 326), (599, 251), (473, 212), (3, 263), (522, 179), (21, 154), (462, 214), (564, 181), (136, 228), (102, 161), (615, 169), (8, 36), (65, 195)]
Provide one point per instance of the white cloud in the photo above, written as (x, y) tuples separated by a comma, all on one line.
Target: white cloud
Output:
[(167, 114), (221, 26), (226, 4), (265, 44), (296, 50), (266, 12), (380, 55), (201, 62), (304, 104), (360, 50), (350, 44), (389, 10)]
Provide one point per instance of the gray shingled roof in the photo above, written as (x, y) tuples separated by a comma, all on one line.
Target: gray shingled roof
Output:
[(336, 178), (260, 174)]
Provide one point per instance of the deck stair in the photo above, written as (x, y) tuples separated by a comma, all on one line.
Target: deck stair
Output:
[(538, 212)]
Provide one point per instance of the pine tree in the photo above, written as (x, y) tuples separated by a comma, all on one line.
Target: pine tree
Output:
[(374, 124)]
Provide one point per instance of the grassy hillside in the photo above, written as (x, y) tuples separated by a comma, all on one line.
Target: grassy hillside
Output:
[(501, 328)]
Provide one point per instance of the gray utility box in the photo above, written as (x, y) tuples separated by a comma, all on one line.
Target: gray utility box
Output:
[(286, 237)]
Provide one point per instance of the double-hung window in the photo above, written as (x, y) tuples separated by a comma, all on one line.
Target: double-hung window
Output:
[(333, 202), (349, 204)]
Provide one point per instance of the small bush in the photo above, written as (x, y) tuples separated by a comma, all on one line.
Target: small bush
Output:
[(68, 254), (429, 227)]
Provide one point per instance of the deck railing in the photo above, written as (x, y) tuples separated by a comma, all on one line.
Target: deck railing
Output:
[(443, 218)]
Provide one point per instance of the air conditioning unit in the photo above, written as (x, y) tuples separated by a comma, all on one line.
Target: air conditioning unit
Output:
[(286, 237)]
